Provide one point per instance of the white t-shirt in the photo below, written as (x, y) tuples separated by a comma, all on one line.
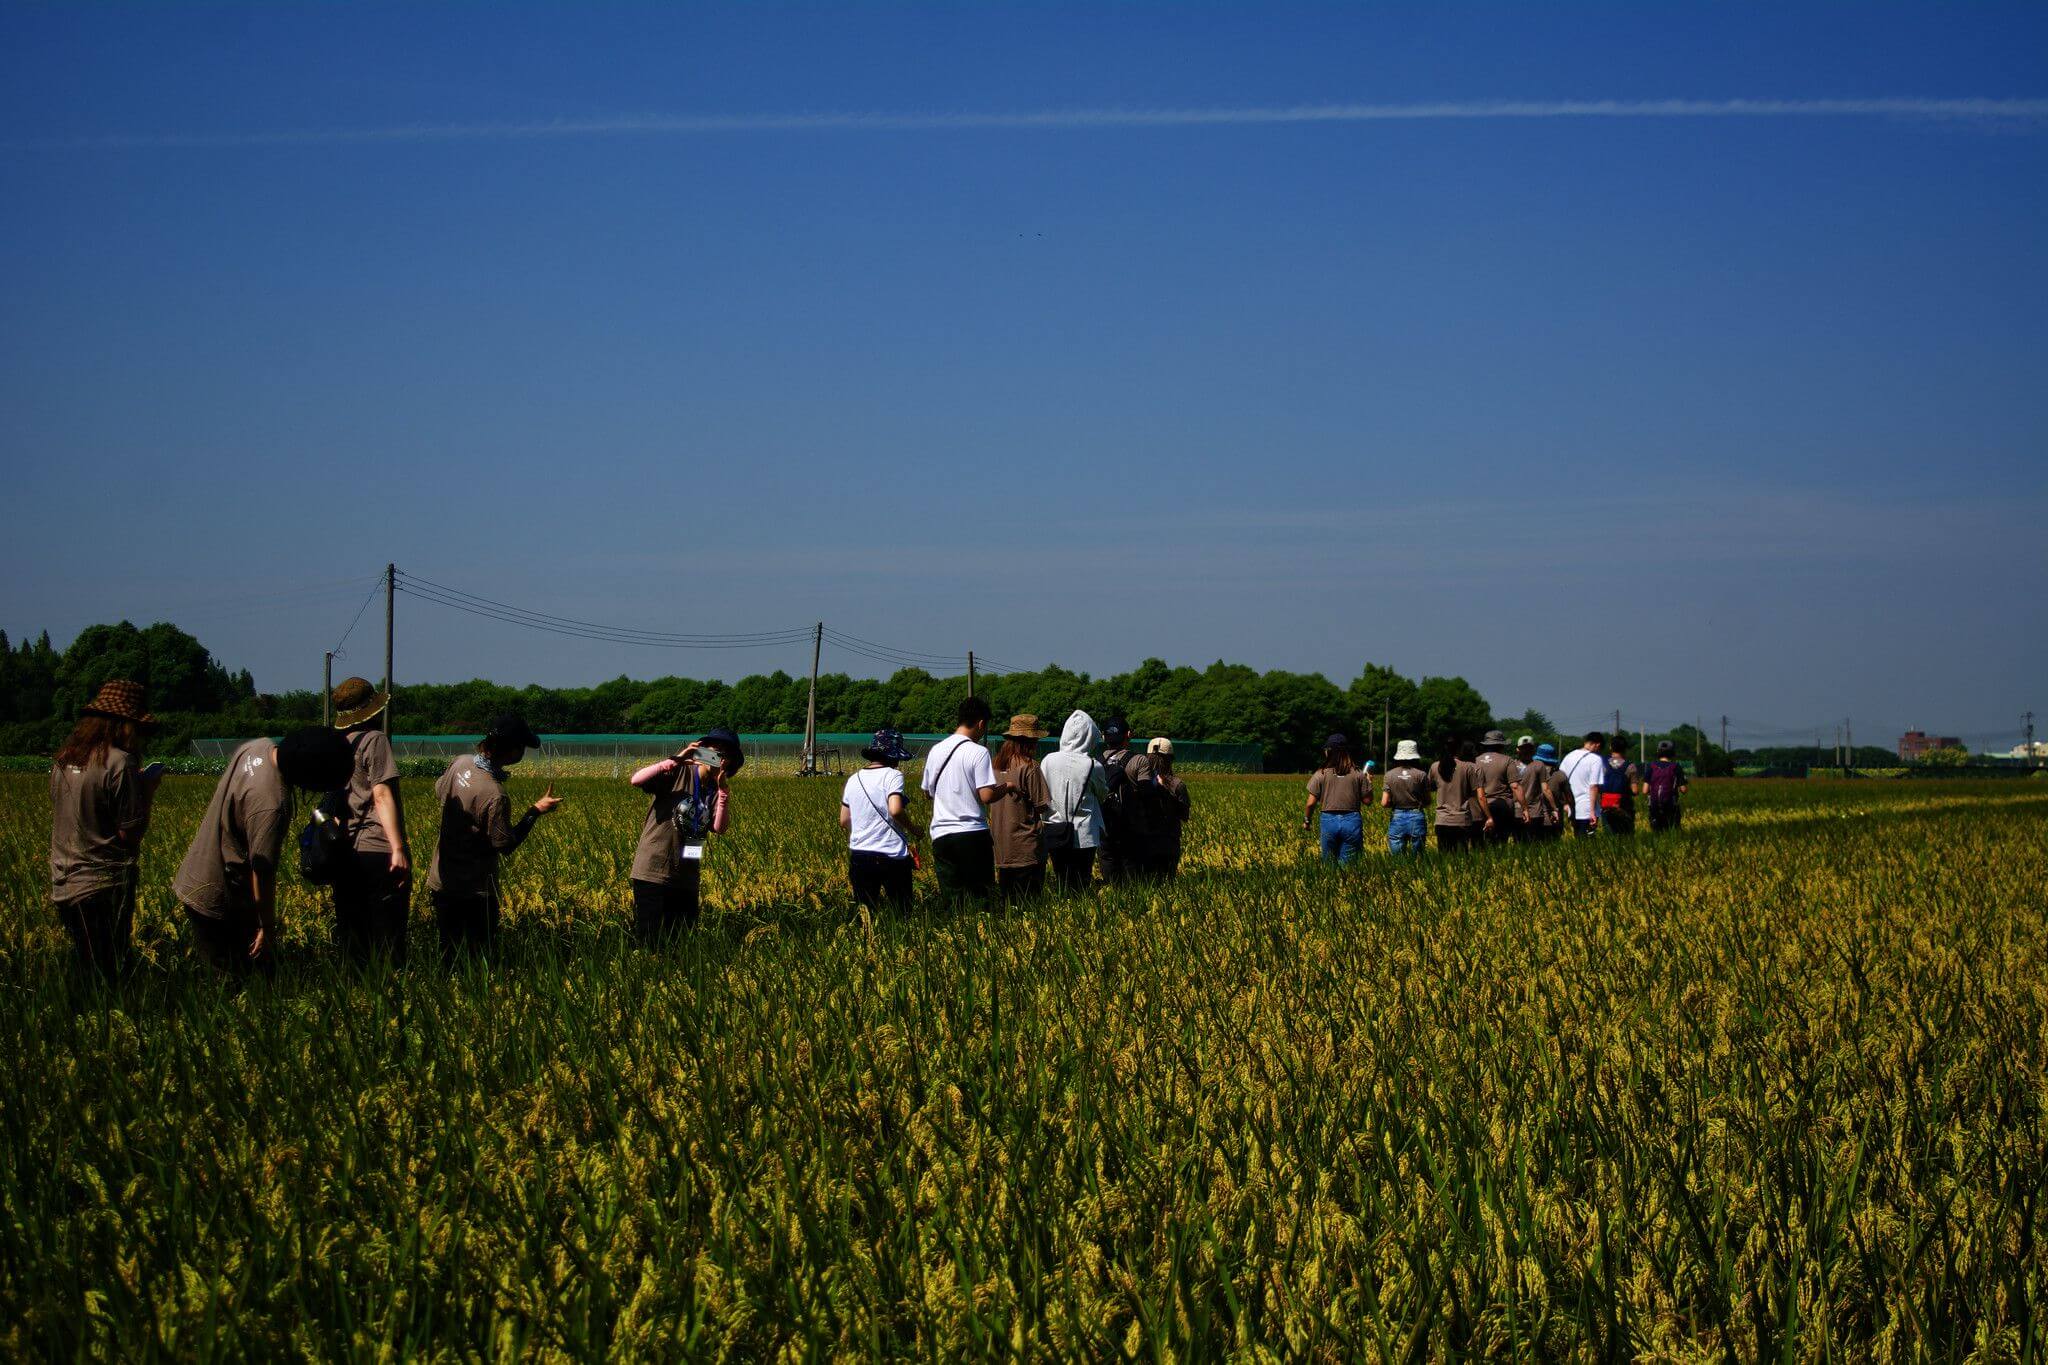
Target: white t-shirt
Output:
[(1584, 769), (958, 775), (867, 796)]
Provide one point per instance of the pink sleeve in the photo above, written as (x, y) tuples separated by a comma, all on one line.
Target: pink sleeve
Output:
[(652, 771), (720, 815)]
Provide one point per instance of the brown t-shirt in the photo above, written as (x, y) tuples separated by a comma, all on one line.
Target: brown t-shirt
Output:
[(374, 766), (1561, 793), (1455, 794), (476, 828), (1341, 793), (1496, 773), (1157, 804), (1407, 788), (1530, 782), (90, 808), (239, 835), (1017, 822), (661, 840)]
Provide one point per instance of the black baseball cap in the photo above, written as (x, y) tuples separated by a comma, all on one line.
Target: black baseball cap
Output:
[(1116, 727), (509, 727), (1336, 741)]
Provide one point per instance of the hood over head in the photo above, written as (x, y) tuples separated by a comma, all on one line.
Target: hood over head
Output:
[(1079, 734)]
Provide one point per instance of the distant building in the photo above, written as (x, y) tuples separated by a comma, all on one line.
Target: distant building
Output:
[(1915, 743), (2040, 751)]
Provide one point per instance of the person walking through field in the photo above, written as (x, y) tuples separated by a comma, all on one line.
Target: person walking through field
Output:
[(1664, 784), (1538, 803), (1618, 790), (1016, 818), (1077, 785), (1405, 794), (1115, 862), (477, 830), (1158, 806), (1343, 790), (1561, 800), (1585, 768), (100, 799), (689, 800), (228, 879), (1461, 819), (373, 884), (1498, 794), (960, 780), (879, 860)]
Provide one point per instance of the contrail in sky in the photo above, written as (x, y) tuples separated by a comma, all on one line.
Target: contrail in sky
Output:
[(686, 125)]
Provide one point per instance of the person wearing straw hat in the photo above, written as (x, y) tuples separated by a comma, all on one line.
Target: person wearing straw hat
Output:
[(373, 887), (880, 862), (228, 880), (1158, 805), (100, 800), (690, 800), (1016, 817), (477, 830), (1343, 790), (1405, 793)]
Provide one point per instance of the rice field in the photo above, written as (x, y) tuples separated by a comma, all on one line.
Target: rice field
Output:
[(1773, 1087)]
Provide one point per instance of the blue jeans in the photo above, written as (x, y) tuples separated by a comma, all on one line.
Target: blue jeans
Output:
[(1407, 832), (1343, 836)]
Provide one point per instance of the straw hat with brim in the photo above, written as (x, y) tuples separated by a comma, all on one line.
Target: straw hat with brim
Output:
[(1025, 726), (1407, 752), (120, 700), (355, 701)]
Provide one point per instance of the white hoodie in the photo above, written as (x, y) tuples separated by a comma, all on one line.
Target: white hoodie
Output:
[(1077, 781)]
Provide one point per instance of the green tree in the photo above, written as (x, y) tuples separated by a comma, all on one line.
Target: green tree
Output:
[(1452, 713), (1945, 757)]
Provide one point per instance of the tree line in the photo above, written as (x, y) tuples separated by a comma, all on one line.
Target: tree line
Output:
[(1287, 714)]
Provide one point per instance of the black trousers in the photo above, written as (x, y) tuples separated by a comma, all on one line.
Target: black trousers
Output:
[(224, 940), (468, 922), (102, 929), (371, 906), (661, 909), (1504, 822), (879, 880), (1456, 838), (1116, 858), (1073, 869), (1663, 816), (1021, 883), (966, 865)]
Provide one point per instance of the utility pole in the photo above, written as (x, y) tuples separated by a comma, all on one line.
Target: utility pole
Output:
[(327, 690), (1699, 740), (970, 672), (810, 763), (1387, 730), (2028, 718), (390, 609), (1724, 734), (1848, 744), (1617, 720)]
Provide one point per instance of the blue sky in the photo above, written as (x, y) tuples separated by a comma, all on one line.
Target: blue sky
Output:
[(1685, 415)]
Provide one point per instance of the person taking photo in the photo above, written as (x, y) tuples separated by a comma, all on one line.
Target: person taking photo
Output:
[(689, 801)]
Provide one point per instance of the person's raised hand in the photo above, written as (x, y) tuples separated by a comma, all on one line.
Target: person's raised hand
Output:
[(547, 801)]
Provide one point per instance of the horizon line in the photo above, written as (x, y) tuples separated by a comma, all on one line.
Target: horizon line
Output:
[(1901, 107)]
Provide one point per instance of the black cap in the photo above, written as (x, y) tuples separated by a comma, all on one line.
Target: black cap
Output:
[(1336, 741), (1665, 746), (1116, 727), (510, 727)]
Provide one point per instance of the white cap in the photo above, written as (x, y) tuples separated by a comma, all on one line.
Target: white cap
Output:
[(1525, 739), (1159, 744)]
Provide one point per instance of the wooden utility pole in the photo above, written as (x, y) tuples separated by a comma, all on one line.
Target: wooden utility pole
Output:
[(2028, 719), (810, 763), (1617, 720), (1386, 731), (970, 672), (327, 690), (390, 610), (1724, 734), (1699, 740)]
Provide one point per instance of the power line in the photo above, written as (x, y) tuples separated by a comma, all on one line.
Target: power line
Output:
[(368, 598), (582, 631), (712, 639)]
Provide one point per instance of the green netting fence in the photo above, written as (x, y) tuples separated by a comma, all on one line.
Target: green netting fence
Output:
[(618, 755)]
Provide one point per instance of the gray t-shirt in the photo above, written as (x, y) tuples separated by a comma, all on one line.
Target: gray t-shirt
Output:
[(1454, 794), (239, 835), (1496, 774), (1341, 793), (91, 806), (1406, 788), (476, 829), (374, 767)]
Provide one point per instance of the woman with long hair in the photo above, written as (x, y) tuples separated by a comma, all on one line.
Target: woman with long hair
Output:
[(99, 812), (1016, 817), (1343, 790), (1455, 779)]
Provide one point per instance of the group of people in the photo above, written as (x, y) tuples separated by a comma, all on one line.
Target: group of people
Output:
[(1002, 825), (1490, 795), (1007, 824)]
